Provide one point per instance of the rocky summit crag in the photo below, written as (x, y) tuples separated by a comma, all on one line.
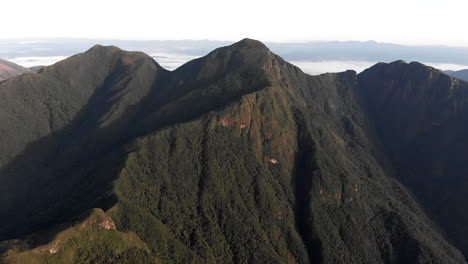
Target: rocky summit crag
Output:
[(236, 157)]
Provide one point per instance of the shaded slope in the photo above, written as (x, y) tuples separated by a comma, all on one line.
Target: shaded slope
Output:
[(421, 117), (237, 157), (46, 103), (9, 69), (55, 119), (357, 212)]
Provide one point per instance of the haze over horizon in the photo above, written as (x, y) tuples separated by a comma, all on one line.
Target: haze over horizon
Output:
[(411, 23), (312, 57)]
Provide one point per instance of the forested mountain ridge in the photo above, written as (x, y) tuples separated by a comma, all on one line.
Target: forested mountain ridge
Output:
[(236, 157)]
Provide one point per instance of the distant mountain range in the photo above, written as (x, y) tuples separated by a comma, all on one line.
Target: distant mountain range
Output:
[(462, 74), (235, 157)]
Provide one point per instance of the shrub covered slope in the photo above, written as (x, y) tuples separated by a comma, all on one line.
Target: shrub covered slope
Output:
[(236, 157)]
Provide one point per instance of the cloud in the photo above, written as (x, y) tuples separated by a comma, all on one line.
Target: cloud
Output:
[(37, 61), (171, 61), (319, 67), (447, 66)]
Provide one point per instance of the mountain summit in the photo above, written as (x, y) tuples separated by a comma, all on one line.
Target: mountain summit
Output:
[(236, 157)]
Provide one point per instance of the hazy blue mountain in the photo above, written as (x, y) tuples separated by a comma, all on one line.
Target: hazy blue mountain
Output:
[(462, 74)]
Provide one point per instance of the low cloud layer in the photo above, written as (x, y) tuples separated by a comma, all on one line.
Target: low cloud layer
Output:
[(37, 61), (171, 61)]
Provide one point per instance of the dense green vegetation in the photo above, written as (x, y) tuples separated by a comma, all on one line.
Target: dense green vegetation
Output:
[(214, 195), (237, 157)]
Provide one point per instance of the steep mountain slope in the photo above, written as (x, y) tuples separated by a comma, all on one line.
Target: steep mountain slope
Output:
[(236, 157), (462, 74), (9, 69), (421, 115), (57, 120)]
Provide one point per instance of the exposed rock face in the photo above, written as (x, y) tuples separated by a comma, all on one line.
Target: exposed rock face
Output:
[(236, 157)]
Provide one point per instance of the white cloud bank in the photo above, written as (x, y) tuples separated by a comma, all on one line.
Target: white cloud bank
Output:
[(37, 61), (171, 61)]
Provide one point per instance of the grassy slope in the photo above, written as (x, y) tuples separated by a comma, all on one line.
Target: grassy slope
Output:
[(92, 240)]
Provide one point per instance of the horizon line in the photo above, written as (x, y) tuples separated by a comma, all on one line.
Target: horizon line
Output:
[(32, 40)]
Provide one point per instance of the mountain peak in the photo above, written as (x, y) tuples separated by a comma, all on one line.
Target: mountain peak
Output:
[(416, 69), (108, 57), (399, 62), (102, 47), (247, 55), (250, 43)]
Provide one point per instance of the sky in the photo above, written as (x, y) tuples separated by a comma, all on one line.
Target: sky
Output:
[(409, 22)]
